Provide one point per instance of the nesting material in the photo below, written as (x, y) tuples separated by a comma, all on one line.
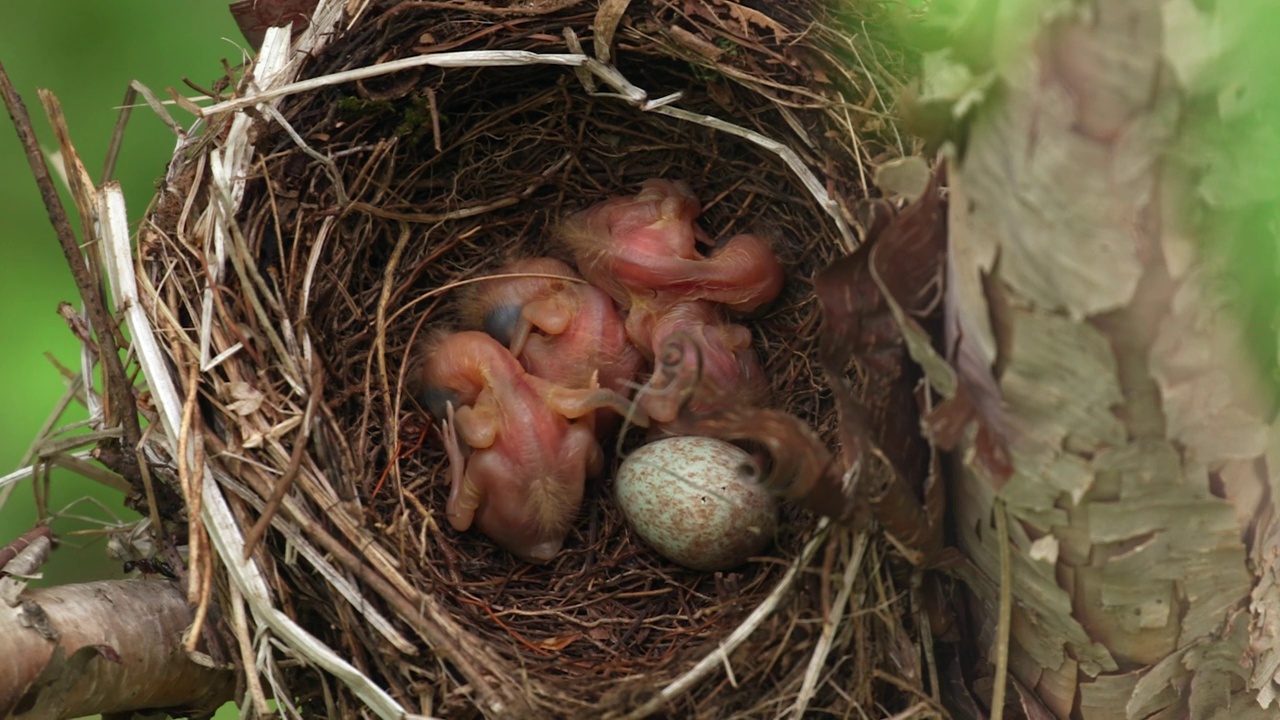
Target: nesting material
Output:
[(294, 297)]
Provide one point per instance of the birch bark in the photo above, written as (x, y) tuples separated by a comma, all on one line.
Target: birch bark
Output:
[(1102, 341)]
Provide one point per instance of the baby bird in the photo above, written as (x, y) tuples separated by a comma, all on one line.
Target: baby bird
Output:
[(563, 330), (701, 358), (523, 482), (642, 250)]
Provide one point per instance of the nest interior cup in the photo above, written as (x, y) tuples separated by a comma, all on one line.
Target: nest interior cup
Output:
[(433, 176)]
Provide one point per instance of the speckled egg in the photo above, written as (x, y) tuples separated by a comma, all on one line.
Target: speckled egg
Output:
[(697, 501)]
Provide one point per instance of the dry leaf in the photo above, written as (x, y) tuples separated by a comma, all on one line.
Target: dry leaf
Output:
[(254, 17), (556, 644), (906, 177), (747, 17), (869, 300), (608, 16), (245, 398)]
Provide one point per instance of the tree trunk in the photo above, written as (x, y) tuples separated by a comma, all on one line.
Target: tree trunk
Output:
[(1098, 338)]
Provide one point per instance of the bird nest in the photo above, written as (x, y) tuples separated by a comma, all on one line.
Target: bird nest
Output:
[(315, 232)]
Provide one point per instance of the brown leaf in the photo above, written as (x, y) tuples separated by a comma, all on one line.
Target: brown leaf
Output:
[(945, 424), (991, 456), (254, 17), (1028, 702), (907, 258), (867, 299), (747, 17)]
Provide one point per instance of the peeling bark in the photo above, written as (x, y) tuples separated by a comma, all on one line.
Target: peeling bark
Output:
[(1105, 354), (104, 647)]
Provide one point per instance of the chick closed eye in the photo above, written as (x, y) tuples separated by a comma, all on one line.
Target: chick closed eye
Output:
[(701, 357), (561, 328), (436, 400), (500, 323)]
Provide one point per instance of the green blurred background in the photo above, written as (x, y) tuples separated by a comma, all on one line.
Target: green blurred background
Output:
[(86, 53)]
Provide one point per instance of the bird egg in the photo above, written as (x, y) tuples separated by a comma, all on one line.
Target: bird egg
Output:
[(697, 501)]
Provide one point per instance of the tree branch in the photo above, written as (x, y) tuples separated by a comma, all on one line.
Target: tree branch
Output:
[(103, 647)]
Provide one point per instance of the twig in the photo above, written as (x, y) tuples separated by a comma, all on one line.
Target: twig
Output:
[(1005, 611), (80, 465), (48, 193), (606, 73), (117, 134), (930, 659), (379, 349), (259, 529), (7, 482), (16, 546), (158, 108), (186, 472), (119, 392), (53, 446), (255, 287), (462, 59), (202, 608), (148, 486), (698, 672), (29, 471), (829, 625), (256, 698), (420, 611), (786, 154), (344, 587), (330, 167)]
